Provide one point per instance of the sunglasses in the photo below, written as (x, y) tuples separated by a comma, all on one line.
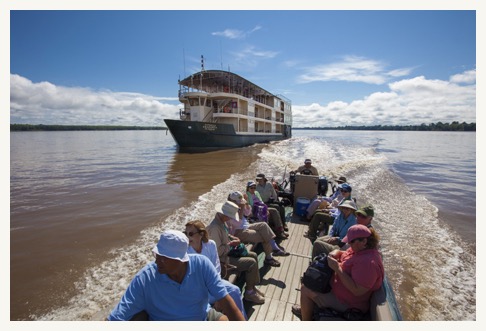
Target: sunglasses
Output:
[(190, 234), (355, 240), (360, 215), (252, 187), (344, 191)]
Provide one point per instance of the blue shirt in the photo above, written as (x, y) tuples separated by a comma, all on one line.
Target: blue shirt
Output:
[(340, 226), (166, 300)]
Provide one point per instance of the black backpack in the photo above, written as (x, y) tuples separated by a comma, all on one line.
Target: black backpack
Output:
[(318, 275)]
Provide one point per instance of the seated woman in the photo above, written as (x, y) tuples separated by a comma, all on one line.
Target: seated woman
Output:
[(199, 243), (258, 232), (273, 214), (358, 272)]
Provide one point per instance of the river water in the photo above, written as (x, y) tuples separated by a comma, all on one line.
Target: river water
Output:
[(87, 207)]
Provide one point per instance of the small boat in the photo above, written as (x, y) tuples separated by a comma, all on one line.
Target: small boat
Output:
[(223, 110)]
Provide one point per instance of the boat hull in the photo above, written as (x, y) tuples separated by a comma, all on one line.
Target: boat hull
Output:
[(201, 136)]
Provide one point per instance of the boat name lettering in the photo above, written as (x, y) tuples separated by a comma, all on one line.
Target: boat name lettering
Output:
[(210, 127)]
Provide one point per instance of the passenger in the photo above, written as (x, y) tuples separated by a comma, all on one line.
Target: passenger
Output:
[(219, 233), (199, 243), (274, 219), (323, 218), (342, 223), (176, 287), (258, 232), (270, 197), (320, 202), (358, 272), (365, 214), (307, 168)]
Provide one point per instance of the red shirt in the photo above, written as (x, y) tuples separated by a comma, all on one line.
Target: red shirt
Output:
[(366, 270)]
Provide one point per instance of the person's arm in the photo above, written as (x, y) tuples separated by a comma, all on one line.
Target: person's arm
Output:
[(347, 281), (230, 309)]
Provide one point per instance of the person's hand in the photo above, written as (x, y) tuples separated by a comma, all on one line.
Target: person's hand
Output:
[(336, 254), (333, 240), (332, 263)]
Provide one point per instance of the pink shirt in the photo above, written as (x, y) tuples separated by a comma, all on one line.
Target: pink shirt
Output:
[(366, 269)]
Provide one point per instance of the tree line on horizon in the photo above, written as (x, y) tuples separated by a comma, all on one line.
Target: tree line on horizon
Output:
[(439, 126), (55, 127)]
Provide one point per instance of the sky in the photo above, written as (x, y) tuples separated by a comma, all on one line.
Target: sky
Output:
[(338, 67)]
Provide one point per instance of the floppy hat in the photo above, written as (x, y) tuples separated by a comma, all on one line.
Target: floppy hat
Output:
[(237, 197), (356, 231), (345, 187), (173, 245), (341, 180), (348, 204), (366, 211), (229, 209), (307, 161)]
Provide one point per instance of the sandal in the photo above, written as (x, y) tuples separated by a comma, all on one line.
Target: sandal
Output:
[(272, 262), (297, 310)]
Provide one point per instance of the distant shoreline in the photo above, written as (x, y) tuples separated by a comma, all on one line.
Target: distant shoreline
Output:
[(454, 126)]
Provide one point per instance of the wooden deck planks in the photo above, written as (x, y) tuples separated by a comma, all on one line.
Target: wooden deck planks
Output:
[(281, 285)]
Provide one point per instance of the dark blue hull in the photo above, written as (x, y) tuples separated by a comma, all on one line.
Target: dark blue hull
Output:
[(202, 136)]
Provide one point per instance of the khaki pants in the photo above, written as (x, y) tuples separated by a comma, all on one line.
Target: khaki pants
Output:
[(258, 232), (248, 264), (320, 246)]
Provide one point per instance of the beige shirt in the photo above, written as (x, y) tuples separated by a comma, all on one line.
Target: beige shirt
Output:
[(311, 168)]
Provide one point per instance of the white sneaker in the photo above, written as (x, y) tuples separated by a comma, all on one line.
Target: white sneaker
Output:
[(254, 297)]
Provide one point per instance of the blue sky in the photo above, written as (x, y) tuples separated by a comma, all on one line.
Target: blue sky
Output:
[(339, 67)]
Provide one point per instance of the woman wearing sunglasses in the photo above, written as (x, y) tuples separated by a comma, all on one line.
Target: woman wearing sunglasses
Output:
[(199, 243), (358, 272)]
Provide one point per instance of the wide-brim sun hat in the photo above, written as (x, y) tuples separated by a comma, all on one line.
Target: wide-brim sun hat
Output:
[(172, 244), (341, 180), (356, 231), (229, 209), (348, 204)]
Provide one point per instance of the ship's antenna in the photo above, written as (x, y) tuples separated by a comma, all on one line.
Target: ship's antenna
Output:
[(221, 53), (184, 60)]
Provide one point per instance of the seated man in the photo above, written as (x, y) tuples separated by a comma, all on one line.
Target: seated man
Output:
[(307, 168), (218, 231), (176, 286)]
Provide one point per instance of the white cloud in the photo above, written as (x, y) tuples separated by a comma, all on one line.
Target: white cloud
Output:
[(352, 69), (45, 103), (410, 101), (235, 34), (250, 56), (467, 77)]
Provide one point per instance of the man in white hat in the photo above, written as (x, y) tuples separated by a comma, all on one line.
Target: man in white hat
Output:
[(176, 287), (218, 232), (307, 168)]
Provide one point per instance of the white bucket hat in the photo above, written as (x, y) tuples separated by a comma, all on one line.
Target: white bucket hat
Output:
[(229, 209), (173, 245)]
